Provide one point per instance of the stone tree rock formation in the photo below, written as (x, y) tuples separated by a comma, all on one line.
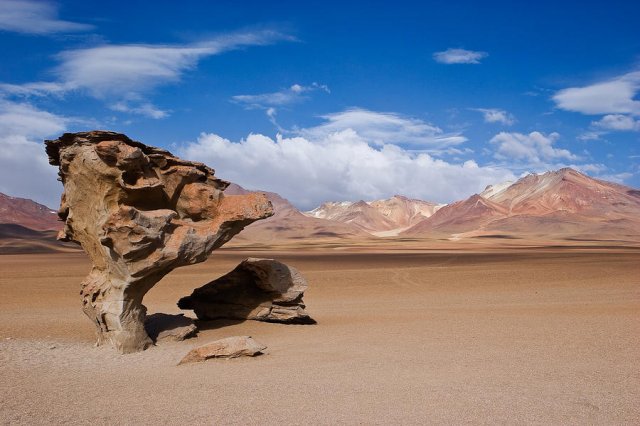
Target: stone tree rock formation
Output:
[(257, 289), (139, 212)]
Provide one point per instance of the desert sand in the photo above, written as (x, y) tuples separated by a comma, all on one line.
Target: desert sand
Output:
[(483, 336)]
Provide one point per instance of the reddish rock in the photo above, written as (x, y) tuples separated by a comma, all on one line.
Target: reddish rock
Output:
[(230, 347)]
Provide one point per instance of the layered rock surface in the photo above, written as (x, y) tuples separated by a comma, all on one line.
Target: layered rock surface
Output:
[(230, 347), (139, 212), (257, 289)]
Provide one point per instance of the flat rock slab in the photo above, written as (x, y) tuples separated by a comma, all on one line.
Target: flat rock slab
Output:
[(165, 327), (230, 347)]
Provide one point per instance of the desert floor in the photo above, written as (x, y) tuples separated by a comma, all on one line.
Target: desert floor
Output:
[(537, 336)]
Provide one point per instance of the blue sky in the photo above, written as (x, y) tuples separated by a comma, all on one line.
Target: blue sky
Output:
[(325, 100)]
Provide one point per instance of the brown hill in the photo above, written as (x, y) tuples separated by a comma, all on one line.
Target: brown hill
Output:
[(460, 216), (563, 204), (288, 223), (28, 213)]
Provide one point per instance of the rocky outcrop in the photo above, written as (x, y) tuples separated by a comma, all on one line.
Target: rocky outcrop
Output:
[(139, 212), (231, 347), (257, 289)]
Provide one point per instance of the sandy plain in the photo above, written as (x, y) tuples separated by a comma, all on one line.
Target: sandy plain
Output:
[(517, 336)]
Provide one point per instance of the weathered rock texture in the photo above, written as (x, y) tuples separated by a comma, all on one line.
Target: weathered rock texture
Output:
[(139, 212), (165, 327), (230, 347), (257, 289)]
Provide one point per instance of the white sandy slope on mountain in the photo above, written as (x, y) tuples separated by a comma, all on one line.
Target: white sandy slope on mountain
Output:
[(380, 217), (493, 190)]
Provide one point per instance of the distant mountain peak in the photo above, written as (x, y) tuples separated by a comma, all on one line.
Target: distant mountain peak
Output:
[(550, 203), (27, 213)]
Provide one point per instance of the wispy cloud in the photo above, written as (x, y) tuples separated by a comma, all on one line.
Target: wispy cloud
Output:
[(614, 96), (128, 72), (380, 128), (291, 95), (116, 70), (144, 109), (590, 135), (459, 56), (35, 17), (534, 149), (269, 102), (494, 115)]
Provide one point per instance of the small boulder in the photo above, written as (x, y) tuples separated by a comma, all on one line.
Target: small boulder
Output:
[(230, 347), (165, 327)]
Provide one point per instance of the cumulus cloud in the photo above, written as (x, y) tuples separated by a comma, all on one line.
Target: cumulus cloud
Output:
[(533, 149), (494, 115), (614, 96), (24, 167), (340, 165), (269, 102), (459, 56), (35, 17), (380, 128), (617, 122)]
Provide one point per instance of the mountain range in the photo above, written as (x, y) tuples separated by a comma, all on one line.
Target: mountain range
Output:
[(562, 205)]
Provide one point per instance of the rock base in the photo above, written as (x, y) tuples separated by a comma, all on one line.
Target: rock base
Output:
[(257, 289)]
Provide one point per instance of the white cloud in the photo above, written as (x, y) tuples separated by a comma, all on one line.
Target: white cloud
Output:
[(22, 119), (130, 71), (617, 177), (269, 102), (145, 109), (119, 70), (380, 128), (35, 17), (459, 56), (24, 167), (617, 122), (494, 115), (590, 136), (38, 88), (534, 148), (340, 165), (291, 95), (615, 96)]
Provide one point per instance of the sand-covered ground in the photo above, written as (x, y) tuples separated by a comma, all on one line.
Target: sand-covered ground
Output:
[(536, 336)]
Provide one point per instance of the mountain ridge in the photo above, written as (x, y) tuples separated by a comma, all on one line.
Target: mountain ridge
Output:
[(561, 204)]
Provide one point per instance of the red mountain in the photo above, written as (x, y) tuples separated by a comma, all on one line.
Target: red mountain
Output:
[(557, 204), (27, 213)]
